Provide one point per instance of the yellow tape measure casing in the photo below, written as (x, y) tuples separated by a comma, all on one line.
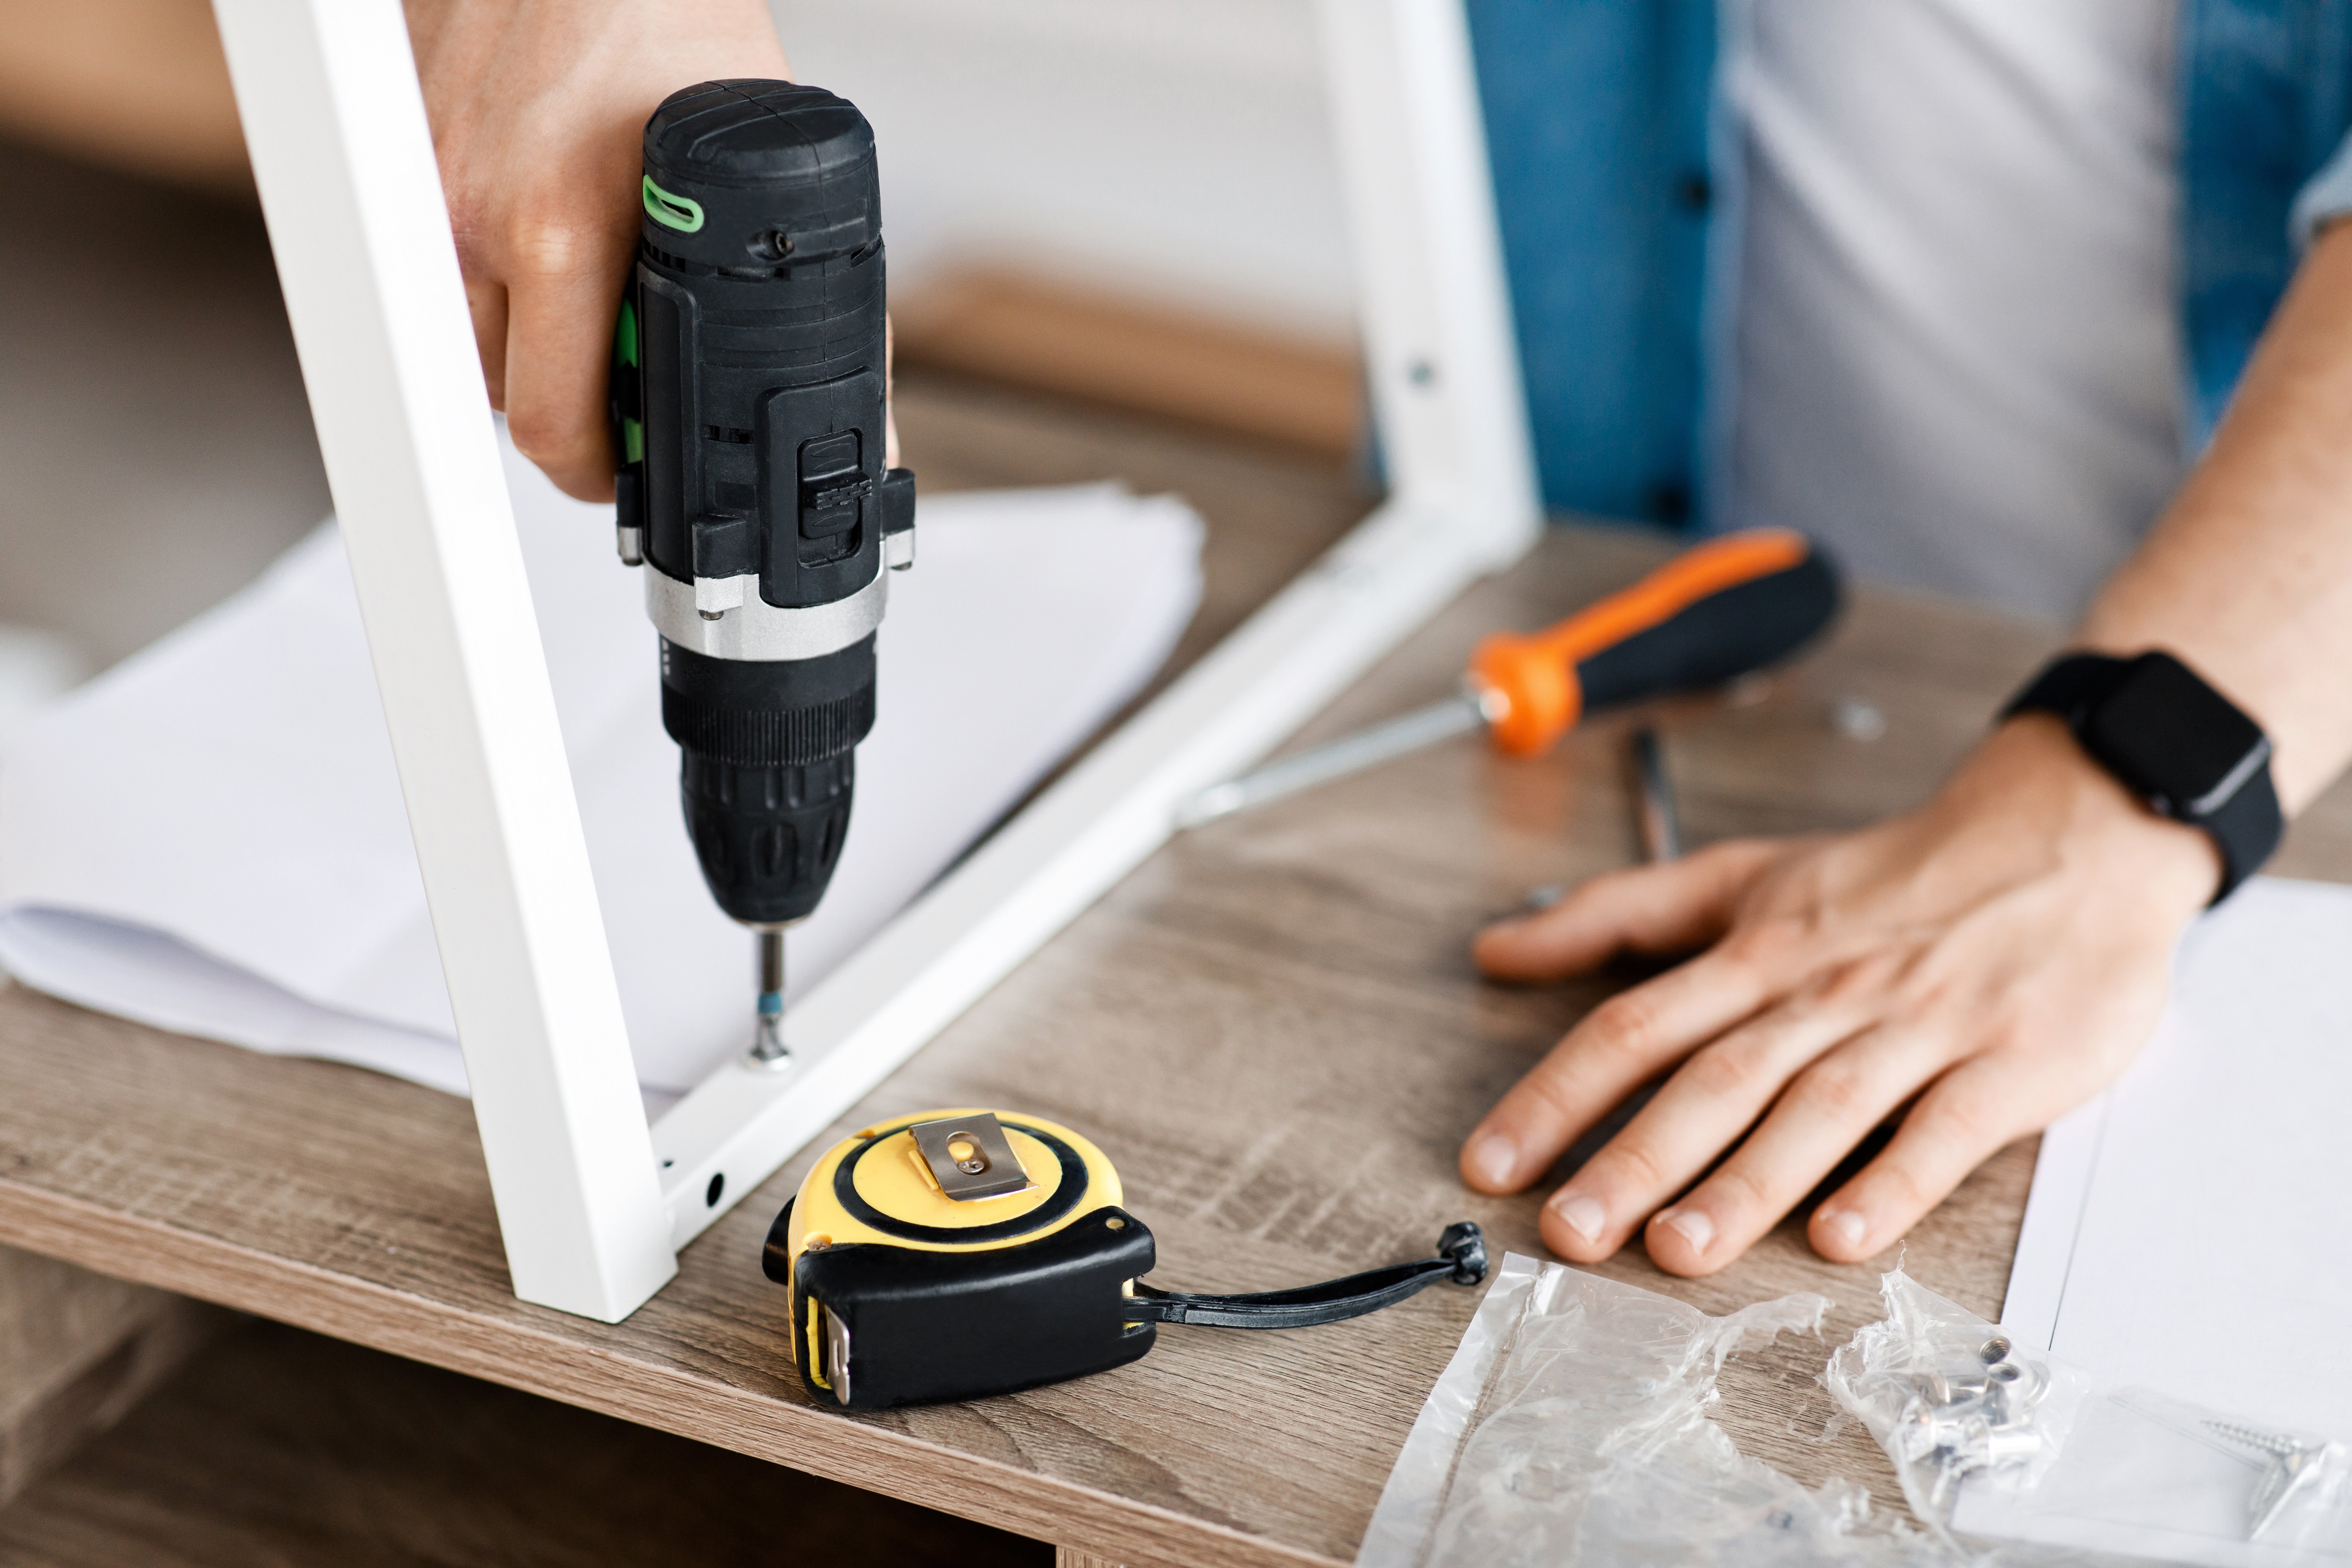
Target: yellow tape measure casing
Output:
[(892, 1179)]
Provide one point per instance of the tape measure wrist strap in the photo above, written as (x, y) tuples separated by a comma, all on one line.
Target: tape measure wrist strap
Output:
[(1462, 1258)]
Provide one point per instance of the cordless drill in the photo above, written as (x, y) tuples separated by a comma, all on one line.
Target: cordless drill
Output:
[(748, 408)]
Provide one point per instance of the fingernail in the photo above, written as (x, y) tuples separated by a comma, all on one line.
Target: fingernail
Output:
[(1495, 1157), (1846, 1225), (1581, 1214), (1692, 1226)]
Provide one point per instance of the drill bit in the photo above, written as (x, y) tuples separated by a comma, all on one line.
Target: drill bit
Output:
[(767, 1047)]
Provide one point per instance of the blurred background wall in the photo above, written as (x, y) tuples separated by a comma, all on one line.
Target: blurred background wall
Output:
[(154, 442), (1180, 148), (1132, 202)]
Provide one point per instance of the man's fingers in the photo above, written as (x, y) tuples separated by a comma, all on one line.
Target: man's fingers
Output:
[(1619, 1045), (1830, 1106), (1670, 908), (486, 301), (1701, 1110), (563, 293), (1969, 1114)]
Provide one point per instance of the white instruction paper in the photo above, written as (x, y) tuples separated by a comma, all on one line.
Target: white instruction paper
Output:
[(2190, 1230), (210, 837)]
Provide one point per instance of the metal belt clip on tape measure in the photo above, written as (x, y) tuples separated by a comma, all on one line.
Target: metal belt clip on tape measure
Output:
[(955, 1253)]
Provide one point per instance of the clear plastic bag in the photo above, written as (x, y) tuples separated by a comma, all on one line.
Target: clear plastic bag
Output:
[(1571, 1427), (2054, 1465), (1949, 1397), (2152, 1476)]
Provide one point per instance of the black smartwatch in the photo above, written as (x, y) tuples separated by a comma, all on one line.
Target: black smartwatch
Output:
[(2185, 750)]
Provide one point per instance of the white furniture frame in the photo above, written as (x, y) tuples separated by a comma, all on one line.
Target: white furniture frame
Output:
[(592, 1204)]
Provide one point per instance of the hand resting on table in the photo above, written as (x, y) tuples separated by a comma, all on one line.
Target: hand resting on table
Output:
[(1991, 960)]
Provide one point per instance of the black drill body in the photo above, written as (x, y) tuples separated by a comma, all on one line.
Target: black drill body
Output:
[(748, 401)]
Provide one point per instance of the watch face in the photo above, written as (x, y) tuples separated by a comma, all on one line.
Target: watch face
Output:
[(2174, 739)]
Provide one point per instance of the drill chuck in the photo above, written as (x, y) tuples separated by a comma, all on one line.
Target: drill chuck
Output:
[(748, 405), (768, 761)]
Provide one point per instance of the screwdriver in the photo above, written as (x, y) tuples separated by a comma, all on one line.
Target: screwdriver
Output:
[(1720, 610)]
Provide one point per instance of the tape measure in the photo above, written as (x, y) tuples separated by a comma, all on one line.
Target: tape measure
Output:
[(955, 1253)]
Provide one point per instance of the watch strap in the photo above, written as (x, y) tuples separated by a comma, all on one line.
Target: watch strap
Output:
[(2246, 827)]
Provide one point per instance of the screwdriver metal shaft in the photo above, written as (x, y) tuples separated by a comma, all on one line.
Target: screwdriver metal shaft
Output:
[(1422, 726), (1659, 823)]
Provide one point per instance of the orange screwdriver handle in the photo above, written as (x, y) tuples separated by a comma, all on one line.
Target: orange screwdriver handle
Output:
[(1715, 612)]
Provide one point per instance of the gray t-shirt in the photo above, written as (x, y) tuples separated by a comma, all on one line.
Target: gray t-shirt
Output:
[(1955, 355)]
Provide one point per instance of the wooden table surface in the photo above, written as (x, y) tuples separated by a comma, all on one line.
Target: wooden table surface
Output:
[(1271, 1026)]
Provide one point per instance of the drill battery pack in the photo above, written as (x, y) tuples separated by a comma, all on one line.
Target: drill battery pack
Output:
[(952, 1254)]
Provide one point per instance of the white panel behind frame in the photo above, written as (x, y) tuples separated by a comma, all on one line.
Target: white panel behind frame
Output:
[(1453, 422), (335, 124)]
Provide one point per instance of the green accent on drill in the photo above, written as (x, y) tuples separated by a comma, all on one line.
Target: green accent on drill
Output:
[(633, 441), (680, 213), (624, 335)]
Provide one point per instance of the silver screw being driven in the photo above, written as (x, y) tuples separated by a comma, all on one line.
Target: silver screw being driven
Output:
[(767, 1047)]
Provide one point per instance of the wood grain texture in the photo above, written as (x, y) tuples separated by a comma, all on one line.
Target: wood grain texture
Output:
[(77, 1351), (1272, 1026), (287, 1448)]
